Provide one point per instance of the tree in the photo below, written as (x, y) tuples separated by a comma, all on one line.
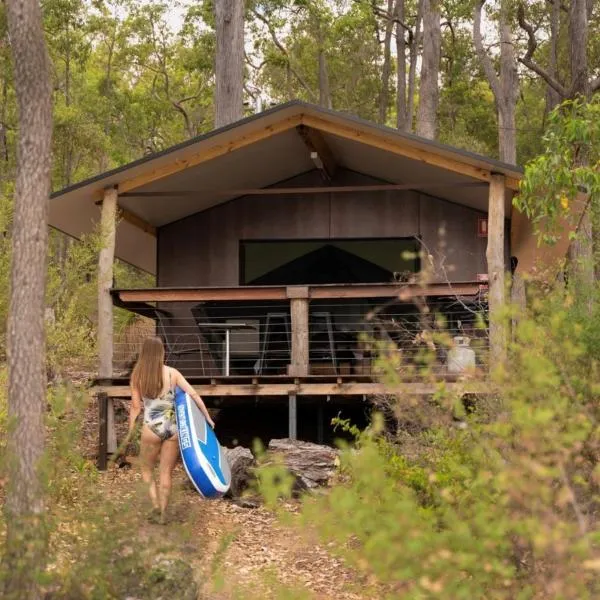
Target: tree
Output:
[(25, 343), (229, 100), (405, 93), (505, 86), (579, 85), (430, 69)]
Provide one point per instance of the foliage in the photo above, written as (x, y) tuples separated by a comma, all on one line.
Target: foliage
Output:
[(505, 507), (567, 166)]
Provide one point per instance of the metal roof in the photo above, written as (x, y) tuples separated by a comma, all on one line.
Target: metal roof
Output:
[(261, 151)]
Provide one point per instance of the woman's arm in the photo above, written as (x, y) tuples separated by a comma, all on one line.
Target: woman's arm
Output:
[(188, 389), (134, 408)]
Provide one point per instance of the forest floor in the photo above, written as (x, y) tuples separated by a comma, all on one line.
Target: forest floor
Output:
[(234, 552), (261, 557)]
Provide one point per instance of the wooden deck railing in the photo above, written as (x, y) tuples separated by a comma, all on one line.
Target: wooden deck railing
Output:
[(200, 339)]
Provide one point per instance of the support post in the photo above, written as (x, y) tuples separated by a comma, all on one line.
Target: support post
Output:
[(108, 224), (299, 319), (102, 398), (293, 417), (320, 435), (496, 268)]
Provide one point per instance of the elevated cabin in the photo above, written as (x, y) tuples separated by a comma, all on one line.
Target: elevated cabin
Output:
[(283, 245)]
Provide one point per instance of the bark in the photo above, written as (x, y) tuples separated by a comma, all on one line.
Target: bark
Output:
[(552, 96), (400, 67), (505, 86), (24, 504), (313, 465), (405, 96), (581, 256), (386, 70), (324, 90), (430, 69), (241, 462), (578, 40), (229, 88)]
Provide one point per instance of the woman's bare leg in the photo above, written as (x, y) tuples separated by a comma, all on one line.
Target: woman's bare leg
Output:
[(168, 459), (149, 451)]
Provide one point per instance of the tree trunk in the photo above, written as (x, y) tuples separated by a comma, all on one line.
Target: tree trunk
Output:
[(505, 86), (401, 108), (324, 90), (578, 39), (229, 88), (412, 72), (430, 69), (241, 462), (313, 465), (552, 96), (386, 70), (581, 255), (25, 541)]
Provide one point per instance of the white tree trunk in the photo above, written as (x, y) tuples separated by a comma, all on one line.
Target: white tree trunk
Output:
[(229, 89), (108, 225), (24, 505), (430, 69)]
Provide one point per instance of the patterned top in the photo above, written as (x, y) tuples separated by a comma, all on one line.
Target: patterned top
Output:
[(159, 413)]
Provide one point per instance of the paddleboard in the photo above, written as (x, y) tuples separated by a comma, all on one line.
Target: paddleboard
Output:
[(203, 457)]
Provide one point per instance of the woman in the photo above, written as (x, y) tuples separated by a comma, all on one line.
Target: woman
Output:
[(154, 383)]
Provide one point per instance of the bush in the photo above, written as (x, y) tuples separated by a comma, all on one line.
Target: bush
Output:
[(506, 507)]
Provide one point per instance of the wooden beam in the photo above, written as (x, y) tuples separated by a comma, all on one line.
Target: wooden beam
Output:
[(200, 156), (105, 307), (320, 292), (401, 148), (496, 269), (299, 323), (316, 144), (283, 191), (133, 219), (316, 389)]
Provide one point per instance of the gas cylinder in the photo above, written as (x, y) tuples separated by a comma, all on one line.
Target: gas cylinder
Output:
[(460, 356)]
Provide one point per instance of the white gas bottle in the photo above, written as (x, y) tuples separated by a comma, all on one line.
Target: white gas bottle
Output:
[(460, 357)]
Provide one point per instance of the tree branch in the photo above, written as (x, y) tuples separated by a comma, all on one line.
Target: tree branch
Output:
[(527, 60), (285, 53), (484, 58)]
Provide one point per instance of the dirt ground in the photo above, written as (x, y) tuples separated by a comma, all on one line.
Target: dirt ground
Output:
[(237, 552)]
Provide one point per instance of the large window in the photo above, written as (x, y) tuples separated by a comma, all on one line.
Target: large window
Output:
[(304, 262)]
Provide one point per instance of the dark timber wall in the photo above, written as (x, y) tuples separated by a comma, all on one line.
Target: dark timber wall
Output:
[(203, 249)]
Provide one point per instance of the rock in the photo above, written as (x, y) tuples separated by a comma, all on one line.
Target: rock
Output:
[(313, 465), (170, 578), (241, 462)]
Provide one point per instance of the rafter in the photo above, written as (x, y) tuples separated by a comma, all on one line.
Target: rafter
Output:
[(321, 153), (134, 220)]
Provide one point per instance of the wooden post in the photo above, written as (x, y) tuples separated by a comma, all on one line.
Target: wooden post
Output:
[(108, 224), (299, 317), (496, 268), (293, 417), (102, 430)]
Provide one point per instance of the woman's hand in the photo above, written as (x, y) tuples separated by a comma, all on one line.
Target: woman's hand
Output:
[(210, 422)]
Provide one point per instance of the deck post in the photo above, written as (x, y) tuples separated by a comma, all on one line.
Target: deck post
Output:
[(108, 225), (102, 398), (298, 296), (292, 417), (496, 268)]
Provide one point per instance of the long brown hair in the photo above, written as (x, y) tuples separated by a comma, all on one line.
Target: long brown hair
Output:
[(147, 374)]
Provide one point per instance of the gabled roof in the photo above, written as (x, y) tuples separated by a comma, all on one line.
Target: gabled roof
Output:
[(261, 151)]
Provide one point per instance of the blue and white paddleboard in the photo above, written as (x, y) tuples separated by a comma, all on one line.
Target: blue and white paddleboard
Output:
[(203, 457)]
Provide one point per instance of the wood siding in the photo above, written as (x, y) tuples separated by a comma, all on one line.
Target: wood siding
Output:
[(203, 249)]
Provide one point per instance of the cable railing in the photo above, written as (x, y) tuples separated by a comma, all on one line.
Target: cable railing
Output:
[(333, 337)]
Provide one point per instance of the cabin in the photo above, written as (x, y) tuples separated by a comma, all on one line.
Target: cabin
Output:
[(287, 247)]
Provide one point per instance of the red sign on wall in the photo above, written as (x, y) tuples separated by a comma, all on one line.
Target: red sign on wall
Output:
[(482, 227)]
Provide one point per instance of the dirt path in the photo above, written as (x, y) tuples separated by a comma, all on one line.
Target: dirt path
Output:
[(260, 556)]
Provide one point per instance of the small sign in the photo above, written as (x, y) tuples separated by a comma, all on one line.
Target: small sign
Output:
[(482, 227)]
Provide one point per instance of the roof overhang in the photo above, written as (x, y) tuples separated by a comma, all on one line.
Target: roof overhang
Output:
[(259, 152)]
